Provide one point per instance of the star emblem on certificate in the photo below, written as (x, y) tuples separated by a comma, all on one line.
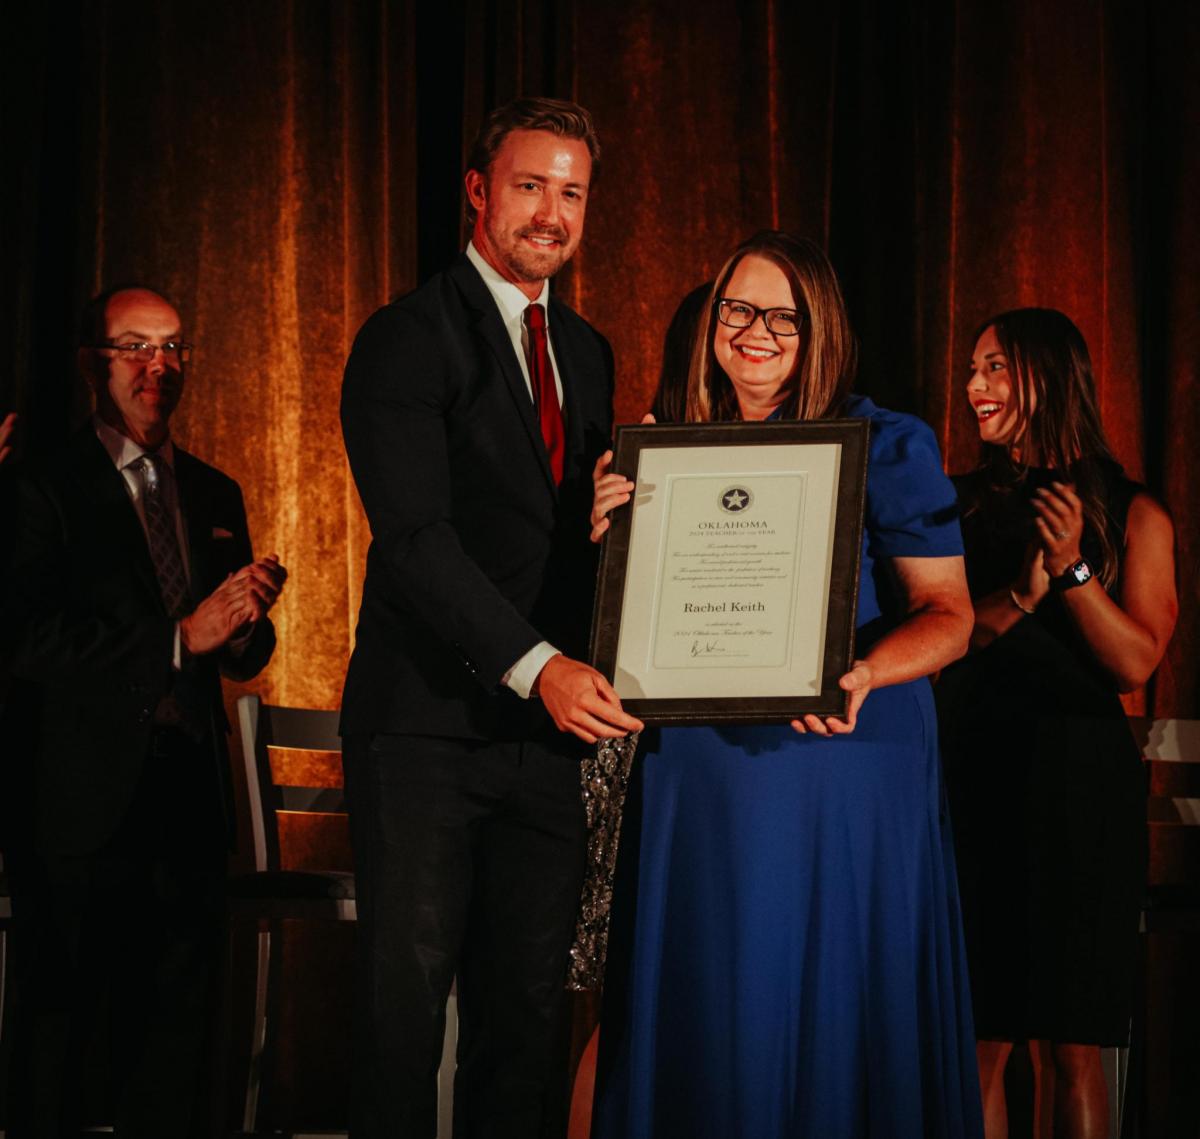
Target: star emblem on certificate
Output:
[(735, 499)]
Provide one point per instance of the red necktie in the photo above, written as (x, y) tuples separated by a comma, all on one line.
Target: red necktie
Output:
[(545, 394)]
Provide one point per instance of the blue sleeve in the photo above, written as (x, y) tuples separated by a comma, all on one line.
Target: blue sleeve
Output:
[(912, 509)]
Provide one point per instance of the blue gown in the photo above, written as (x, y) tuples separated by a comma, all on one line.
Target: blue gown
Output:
[(786, 956)]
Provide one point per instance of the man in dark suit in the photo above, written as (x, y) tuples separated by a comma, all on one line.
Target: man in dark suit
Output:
[(132, 587), (473, 419)]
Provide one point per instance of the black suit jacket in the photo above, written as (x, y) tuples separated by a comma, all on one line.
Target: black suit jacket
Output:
[(476, 555), (91, 642)]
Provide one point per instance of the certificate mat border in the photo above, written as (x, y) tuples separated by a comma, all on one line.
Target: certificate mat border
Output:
[(631, 440)]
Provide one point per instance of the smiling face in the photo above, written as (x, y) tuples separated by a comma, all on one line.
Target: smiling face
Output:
[(759, 364), (992, 390), (136, 397), (530, 206)]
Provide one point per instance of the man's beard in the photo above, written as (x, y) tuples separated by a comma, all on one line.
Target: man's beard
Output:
[(531, 266)]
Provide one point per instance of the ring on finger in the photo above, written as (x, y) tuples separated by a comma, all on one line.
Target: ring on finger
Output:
[(1060, 534)]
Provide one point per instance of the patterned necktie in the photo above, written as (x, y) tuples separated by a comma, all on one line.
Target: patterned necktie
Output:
[(545, 393), (164, 541)]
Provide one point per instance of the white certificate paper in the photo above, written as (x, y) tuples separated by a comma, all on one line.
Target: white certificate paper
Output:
[(727, 580)]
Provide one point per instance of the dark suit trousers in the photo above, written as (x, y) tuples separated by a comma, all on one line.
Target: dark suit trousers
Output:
[(468, 859), (139, 922)]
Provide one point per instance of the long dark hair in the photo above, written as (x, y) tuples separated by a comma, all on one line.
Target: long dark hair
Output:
[(1058, 417), (826, 368), (670, 400)]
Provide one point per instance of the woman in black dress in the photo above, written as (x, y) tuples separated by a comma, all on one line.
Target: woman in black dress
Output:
[(1071, 570)]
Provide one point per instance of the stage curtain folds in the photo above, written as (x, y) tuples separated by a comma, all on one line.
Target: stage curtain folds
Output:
[(283, 168)]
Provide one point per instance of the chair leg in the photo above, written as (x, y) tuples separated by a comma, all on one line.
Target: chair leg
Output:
[(1122, 1081), (1112, 1061), (3, 972), (258, 1038), (446, 1071)]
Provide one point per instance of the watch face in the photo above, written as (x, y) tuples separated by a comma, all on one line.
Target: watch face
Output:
[(1072, 576)]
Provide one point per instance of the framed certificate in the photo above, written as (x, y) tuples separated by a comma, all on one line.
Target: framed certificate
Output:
[(729, 584)]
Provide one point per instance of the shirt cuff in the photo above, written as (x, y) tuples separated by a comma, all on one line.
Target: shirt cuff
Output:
[(177, 651), (521, 676)]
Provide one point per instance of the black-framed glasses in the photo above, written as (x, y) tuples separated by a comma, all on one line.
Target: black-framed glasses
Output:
[(742, 314), (174, 351)]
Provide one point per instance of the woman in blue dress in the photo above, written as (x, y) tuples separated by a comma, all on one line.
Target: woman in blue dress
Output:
[(786, 956)]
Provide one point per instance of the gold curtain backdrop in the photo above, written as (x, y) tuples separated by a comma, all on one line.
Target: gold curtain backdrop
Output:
[(283, 168), (263, 176)]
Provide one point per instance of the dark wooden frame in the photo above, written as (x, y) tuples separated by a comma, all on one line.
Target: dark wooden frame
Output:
[(852, 434)]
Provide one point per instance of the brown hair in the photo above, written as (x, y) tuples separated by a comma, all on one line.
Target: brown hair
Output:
[(1051, 372), (534, 113), (826, 367)]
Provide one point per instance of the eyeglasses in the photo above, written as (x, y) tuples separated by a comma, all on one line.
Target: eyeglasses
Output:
[(742, 314), (174, 351)]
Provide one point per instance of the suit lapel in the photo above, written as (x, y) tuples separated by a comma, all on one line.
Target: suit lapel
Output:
[(103, 485), (568, 354), (490, 328), (196, 520)]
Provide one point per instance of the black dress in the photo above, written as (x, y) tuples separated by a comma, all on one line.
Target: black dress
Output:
[(1048, 798)]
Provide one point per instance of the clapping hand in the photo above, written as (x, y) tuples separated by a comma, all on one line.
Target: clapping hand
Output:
[(265, 579), (1059, 522), (241, 599), (1033, 583)]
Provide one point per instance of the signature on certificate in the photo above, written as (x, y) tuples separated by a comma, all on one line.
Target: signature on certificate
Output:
[(706, 649)]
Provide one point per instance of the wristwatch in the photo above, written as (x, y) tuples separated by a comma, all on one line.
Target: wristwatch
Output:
[(1073, 575)]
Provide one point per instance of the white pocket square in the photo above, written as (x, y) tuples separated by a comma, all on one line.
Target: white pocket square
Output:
[(221, 532)]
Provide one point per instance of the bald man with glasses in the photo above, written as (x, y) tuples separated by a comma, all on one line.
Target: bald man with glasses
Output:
[(132, 590)]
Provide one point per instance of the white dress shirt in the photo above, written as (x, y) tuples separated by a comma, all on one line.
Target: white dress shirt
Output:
[(512, 304)]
